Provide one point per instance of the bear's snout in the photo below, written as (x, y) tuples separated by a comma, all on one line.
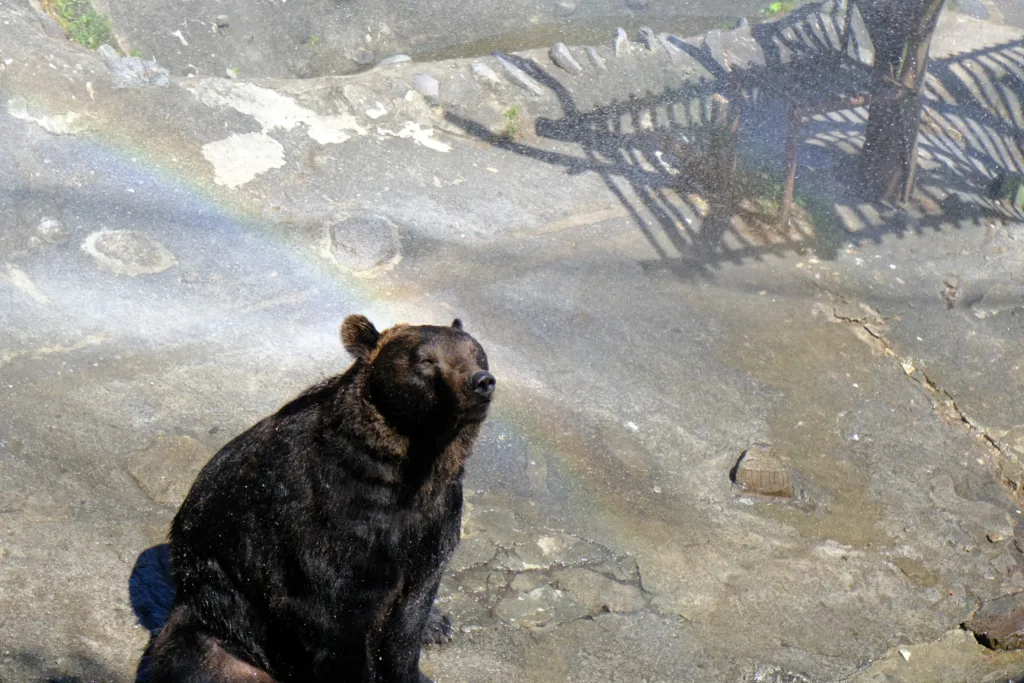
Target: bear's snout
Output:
[(483, 383)]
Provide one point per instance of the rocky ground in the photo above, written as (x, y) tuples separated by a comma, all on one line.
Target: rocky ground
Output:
[(177, 253)]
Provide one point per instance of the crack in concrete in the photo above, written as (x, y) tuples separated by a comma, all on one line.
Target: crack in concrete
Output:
[(870, 328)]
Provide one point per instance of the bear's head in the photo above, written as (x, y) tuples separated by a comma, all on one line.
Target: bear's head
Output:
[(424, 379)]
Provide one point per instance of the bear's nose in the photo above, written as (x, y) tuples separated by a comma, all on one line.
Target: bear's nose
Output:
[(483, 383)]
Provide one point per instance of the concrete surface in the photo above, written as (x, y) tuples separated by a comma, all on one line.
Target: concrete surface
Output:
[(303, 38), (172, 270)]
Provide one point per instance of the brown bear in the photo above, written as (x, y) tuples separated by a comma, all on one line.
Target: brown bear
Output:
[(310, 548)]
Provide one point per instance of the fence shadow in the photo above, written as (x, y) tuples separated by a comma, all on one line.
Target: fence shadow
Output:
[(650, 150)]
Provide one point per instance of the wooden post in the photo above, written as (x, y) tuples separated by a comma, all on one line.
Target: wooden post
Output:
[(796, 121), (725, 124)]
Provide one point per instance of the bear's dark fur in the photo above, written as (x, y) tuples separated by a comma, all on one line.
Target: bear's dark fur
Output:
[(310, 548)]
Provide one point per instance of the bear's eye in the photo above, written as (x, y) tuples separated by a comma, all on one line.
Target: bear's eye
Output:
[(427, 362)]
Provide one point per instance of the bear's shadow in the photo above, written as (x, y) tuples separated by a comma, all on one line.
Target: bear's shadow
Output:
[(151, 591)]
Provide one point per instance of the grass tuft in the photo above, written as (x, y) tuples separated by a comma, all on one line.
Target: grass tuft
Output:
[(81, 22)]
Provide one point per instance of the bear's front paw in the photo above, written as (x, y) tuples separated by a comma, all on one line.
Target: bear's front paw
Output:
[(439, 628)]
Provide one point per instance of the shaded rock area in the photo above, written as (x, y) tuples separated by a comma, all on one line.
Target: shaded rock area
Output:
[(175, 262), (999, 624)]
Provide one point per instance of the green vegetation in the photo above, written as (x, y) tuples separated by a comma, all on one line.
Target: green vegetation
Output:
[(759, 186), (313, 41), (81, 22), (777, 9), (759, 195), (511, 130)]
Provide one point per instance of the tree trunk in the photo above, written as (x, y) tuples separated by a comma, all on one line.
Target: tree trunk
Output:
[(901, 31)]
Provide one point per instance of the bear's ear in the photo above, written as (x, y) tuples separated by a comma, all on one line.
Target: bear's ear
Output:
[(359, 336), (457, 324)]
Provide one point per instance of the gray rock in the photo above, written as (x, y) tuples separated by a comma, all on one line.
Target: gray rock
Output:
[(972, 8), (367, 102), (621, 43), (485, 74), (831, 33), (128, 252), (526, 610), (915, 571), (647, 38), (597, 593), (1014, 440), (363, 243), (774, 674), (741, 49), (394, 59), (132, 72), (561, 56), (742, 23), (166, 469), (519, 77), (1001, 297), (860, 46), (999, 624), (49, 25), (596, 59), (714, 48), (527, 581), (222, 21), (364, 57), (565, 7), (427, 85), (51, 231)]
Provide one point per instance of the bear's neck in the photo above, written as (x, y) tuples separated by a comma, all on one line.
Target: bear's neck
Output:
[(434, 462)]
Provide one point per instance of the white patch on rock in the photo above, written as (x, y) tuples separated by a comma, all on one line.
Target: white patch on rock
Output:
[(422, 136), (70, 123), (269, 108), (331, 129), (378, 110), (20, 279), (273, 110), (240, 158)]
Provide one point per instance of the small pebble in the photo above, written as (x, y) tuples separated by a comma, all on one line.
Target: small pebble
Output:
[(427, 86), (394, 59), (51, 231), (222, 21), (485, 74), (561, 56), (565, 7), (518, 76), (621, 42), (648, 39)]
